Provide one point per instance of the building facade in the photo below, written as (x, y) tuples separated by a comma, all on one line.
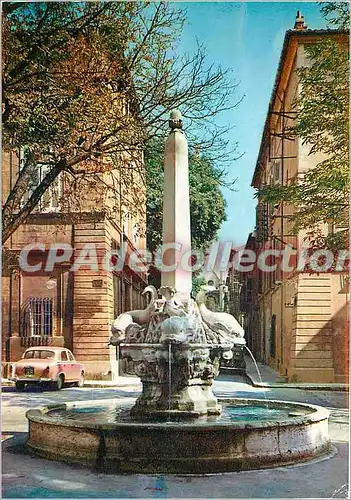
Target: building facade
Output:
[(66, 306), (295, 321)]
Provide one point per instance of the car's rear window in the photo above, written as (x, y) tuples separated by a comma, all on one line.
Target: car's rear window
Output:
[(39, 354)]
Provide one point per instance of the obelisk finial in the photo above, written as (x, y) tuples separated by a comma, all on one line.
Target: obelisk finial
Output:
[(175, 119)]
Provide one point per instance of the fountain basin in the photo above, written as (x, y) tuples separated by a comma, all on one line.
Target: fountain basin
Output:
[(206, 446)]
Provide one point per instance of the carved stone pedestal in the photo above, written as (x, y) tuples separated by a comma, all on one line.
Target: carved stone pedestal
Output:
[(177, 379)]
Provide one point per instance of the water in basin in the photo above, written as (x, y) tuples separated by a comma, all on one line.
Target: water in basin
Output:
[(114, 413)]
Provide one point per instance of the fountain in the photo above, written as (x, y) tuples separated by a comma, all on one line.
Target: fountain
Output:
[(177, 425)]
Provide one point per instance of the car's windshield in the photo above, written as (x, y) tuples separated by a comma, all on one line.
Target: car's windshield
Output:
[(39, 354)]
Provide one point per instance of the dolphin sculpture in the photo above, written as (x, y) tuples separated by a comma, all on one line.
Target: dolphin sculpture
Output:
[(138, 316), (171, 306), (224, 324)]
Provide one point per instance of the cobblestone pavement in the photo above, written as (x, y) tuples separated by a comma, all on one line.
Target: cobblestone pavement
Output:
[(25, 476)]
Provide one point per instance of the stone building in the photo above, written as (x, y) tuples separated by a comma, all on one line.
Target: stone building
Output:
[(65, 307), (248, 304), (295, 321)]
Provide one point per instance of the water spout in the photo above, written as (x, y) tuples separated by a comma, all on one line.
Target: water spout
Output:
[(258, 373), (169, 380)]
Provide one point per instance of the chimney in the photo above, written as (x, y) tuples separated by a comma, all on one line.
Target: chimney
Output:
[(300, 22)]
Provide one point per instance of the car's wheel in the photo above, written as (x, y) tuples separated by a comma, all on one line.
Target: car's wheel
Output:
[(80, 382), (20, 386), (59, 383)]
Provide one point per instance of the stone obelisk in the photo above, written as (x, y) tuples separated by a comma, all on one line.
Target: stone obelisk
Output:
[(176, 270)]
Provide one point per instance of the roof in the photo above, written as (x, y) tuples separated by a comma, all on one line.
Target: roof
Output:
[(46, 348), (299, 36)]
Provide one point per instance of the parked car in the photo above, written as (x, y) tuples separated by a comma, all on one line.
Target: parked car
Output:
[(237, 362), (50, 365)]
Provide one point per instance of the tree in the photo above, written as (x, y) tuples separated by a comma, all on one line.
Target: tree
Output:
[(207, 204), (321, 195), (197, 283), (336, 13), (86, 84)]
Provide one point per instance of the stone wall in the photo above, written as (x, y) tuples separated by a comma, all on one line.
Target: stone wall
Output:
[(340, 323), (93, 302), (311, 347)]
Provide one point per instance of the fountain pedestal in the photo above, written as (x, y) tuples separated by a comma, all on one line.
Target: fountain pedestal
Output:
[(176, 377)]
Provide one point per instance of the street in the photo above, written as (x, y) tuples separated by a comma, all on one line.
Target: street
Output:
[(25, 476)]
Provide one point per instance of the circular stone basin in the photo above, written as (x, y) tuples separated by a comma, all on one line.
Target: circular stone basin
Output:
[(249, 434)]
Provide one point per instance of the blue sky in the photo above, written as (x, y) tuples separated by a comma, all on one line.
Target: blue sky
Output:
[(246, 37)]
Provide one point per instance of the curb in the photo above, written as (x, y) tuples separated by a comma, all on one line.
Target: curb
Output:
[(280, 385), (302, 385), (114, 385), (89, 384)]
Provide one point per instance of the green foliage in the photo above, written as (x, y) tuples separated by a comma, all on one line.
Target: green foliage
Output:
[(197, 283), (337, 13), (321, 195), (207, 204)]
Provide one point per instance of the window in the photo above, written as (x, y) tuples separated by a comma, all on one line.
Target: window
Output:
[(127, 297), (116, 285), (275, 174), (39, 354), (126, 107), (49, 202), (248, 290), (50, 199), (37, 317), (135, 233), (125, 223), (117, 295), (64, 356), (136, 303), (29, 355), (70, 356)]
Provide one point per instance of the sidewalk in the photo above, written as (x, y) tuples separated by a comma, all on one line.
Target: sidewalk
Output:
[(121, 381), (270, 378)]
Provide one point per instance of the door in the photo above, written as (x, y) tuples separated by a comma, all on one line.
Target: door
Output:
[(65, 366), (74, 366), (273, 335)]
